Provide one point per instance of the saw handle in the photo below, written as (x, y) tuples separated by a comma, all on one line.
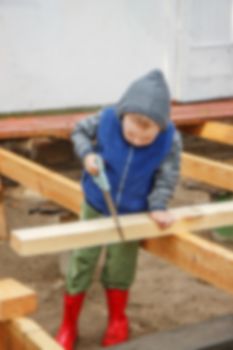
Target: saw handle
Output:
[(101, 179)]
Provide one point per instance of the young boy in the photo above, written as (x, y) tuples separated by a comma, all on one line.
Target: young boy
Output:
[(141, 150)]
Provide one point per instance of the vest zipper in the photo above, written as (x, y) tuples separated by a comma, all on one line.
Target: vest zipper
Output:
[(124, 176)]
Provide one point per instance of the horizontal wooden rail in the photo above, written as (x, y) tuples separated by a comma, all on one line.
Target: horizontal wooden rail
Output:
[(61, 125), (211, 172), (58, 188), (55, 238), (213, 131)]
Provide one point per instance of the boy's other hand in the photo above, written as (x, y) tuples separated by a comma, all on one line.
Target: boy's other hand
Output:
[(163, 218), (90, 164)]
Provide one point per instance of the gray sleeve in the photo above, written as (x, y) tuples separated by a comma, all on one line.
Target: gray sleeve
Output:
[(167, 177), (84, 134)]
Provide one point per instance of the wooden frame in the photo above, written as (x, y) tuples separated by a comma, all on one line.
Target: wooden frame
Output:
[(203, 259), (60, 125), (16, 331), (199, 257), (69, 194), (24, 333)]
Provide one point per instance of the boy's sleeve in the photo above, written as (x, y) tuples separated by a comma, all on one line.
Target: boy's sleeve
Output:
[(84, 135), (167, 177)]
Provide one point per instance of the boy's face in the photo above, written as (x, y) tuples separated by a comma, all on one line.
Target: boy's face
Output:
[(139, 130)]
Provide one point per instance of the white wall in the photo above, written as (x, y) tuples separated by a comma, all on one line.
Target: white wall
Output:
[(64, 53), (68, 53), (204, 49)]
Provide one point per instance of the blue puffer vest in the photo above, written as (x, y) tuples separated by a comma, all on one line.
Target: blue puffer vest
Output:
[(130, 170)]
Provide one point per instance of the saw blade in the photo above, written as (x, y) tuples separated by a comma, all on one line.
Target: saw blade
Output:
[(114, 214)]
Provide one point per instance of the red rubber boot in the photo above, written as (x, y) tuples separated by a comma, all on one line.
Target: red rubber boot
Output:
[(67, 333), (118, 325)]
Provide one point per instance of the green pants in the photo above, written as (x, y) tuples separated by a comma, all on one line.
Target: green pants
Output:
[(120, 264)]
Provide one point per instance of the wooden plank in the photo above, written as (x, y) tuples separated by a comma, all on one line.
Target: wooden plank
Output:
[(25, 334), (69, 236), (56, 187), (208, 171), (61, 125), (213, 131), (32, 335), (15, 299), (58, 126), (202, 258), (3, 224), (198, 113)]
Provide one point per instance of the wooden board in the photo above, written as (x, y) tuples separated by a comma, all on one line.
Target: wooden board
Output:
[(25, 334), (61, 125), (56, 187), (201, 258), (198, 113), (15, 299), (58, 126), (208, 171), (213, 131), (49, 239)]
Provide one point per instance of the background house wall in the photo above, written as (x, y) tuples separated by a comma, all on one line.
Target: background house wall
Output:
[(71, 53)]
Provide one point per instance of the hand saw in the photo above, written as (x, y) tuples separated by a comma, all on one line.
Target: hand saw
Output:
[(102, 182)]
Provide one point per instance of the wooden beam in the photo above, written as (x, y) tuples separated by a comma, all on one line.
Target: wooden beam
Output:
[(213, 131), (58, 126), (61, 125), (56, 187), (202, 258), (208, 171), (15, 300), (25, 334), (69, 236), (198, 113), (3, 224)]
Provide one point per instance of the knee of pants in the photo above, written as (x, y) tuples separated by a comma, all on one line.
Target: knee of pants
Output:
[(81, 269), (85, 259), (120, 267)]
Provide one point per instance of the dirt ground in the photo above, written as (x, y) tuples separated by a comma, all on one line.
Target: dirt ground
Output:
[(163, 297)]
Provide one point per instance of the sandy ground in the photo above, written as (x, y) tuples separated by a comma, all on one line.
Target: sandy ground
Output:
[(163, 297)]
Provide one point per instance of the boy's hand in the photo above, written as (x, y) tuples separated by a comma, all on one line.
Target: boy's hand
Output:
[(90, 164), (163, 218)]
